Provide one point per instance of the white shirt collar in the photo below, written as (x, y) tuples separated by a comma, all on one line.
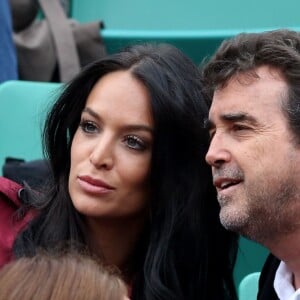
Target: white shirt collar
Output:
[(283, 284)]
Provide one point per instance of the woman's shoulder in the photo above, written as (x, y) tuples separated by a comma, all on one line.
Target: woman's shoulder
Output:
[(10, 223)]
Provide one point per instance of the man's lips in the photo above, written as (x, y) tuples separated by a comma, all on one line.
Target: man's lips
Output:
[(222, 183), (93, 185)]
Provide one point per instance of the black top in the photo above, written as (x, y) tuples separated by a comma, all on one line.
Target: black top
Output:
[(266, 281)]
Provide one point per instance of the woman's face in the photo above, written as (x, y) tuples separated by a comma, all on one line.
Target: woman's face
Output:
[(111, 149)]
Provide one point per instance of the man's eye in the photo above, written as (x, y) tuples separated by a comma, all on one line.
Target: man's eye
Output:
[(134, 142), (88, 127), (239, 127)]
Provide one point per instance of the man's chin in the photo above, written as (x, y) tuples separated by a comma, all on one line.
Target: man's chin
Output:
[(233, 220)]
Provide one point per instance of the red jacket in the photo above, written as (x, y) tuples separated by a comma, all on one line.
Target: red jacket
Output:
[(10, 226)]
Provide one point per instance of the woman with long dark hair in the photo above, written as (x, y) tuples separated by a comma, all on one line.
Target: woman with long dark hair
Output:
[(127, 146)]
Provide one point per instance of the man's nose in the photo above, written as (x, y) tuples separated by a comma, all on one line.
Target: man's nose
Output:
[(217, 153)]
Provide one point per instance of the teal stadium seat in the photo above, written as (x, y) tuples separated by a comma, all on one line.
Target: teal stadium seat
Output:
[(248, 287), (250, 259), (196, 27), (23, 109)]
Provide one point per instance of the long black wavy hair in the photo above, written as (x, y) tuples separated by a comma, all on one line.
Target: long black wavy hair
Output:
[(184, 252)]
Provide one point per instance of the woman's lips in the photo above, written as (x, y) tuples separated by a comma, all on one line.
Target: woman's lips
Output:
[(94, 186)]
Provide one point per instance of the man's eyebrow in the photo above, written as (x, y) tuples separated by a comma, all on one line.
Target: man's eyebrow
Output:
[(239, 116), (231, 117)]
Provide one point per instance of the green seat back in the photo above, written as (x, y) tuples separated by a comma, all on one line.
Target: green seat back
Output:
[(196, 27), (250, 259), (248, 287), (23, 107)]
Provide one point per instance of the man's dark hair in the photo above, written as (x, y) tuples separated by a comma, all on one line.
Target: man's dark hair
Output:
[(279, 49)]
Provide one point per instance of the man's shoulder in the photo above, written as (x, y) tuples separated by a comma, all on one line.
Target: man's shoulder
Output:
[(266, 281)]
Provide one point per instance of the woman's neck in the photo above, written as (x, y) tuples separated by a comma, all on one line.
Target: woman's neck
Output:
[(114, 240)]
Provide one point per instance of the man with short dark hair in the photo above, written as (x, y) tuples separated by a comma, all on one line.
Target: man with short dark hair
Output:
[(254, 123)]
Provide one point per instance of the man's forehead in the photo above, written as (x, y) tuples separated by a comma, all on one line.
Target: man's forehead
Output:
[(250, 90), (248, 77)]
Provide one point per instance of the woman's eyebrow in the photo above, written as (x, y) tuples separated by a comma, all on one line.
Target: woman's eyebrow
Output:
[(91, 112), (138, 127)]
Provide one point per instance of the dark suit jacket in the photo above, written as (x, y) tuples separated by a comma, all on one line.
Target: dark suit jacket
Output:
[(265, 289)]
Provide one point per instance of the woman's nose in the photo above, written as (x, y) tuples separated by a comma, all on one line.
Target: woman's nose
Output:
[(102, 153)]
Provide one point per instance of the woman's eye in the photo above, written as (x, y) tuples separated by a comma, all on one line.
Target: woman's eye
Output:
[(135, 142), (88, 127)]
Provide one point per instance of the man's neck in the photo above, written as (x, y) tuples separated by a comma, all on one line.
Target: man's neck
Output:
[(287, 249)]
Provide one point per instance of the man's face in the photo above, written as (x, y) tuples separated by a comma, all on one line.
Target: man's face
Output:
[(255, 161)]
